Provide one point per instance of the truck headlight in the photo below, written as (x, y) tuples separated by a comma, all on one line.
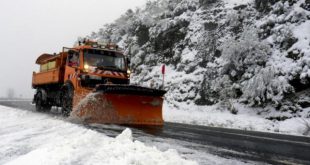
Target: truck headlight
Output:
[(86, 68), (128, 72)]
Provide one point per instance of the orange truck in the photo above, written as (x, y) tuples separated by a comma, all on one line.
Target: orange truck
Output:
[(92, 82)]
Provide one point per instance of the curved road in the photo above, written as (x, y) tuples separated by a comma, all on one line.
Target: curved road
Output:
[(249, 146)]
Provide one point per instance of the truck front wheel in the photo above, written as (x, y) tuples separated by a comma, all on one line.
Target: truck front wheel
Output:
[(67, 100)]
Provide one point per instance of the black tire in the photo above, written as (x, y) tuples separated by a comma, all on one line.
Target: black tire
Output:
[(47, 107), (67, 100), (41, 106)]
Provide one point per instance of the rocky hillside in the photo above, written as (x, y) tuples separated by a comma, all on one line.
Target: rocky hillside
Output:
[(251, 52)]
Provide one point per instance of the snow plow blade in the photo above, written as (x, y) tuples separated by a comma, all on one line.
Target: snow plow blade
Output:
[(122, 104)]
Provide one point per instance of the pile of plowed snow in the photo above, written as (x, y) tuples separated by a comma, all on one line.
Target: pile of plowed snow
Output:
[(32, 138)]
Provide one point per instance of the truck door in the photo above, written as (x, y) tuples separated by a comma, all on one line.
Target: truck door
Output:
[(72, 65)]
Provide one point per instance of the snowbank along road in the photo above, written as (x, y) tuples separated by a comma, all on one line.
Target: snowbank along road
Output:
[(207, 145)]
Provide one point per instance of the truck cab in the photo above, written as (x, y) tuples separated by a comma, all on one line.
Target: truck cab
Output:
[(96, 66)]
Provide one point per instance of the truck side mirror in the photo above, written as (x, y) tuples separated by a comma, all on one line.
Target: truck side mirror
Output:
[(128, 61), (73, 59)]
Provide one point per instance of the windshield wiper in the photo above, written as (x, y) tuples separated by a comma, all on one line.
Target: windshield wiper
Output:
[(109, 67)]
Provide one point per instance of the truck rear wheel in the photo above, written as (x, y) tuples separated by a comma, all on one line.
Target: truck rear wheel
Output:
[(67, 100), (40, 103)]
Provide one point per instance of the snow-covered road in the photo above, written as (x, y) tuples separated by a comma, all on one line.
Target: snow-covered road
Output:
[(30, 138), (34, 138)]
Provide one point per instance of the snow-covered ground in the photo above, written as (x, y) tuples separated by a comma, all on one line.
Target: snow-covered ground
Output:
[(34, 138), (247, 119)]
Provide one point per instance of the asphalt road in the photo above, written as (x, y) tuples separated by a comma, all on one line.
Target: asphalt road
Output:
[(229, 143)]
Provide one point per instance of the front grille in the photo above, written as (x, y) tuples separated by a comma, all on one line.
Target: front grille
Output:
[(91, 83), (130, 89)]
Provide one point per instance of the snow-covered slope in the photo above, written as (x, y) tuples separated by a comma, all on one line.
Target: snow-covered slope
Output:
[(222, 53), (31, 138)]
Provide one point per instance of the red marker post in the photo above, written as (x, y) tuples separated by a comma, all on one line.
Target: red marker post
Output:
[(163, 70)]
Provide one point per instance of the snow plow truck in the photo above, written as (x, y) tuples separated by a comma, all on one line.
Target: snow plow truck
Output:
[(92, 82)]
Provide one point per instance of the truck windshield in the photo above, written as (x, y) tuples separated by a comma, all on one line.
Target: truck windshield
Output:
[(104, 59)]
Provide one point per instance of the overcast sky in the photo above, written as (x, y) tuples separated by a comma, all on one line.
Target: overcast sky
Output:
[(29, 28)]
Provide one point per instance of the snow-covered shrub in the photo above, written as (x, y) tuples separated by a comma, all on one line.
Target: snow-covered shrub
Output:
[(142, 33), (234, 21), (280, 8), (266, 86), (244, 54), (306, 5), (264, 5), (297, 16), (224, 87), (207, 3), (283, 36), (266, 28), (165, 40), (207, 94)]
